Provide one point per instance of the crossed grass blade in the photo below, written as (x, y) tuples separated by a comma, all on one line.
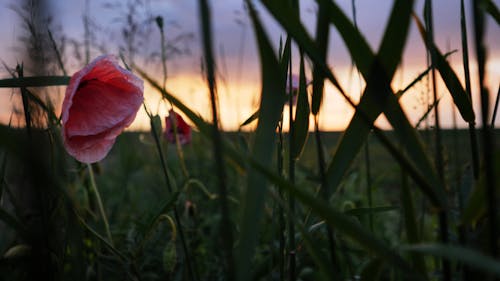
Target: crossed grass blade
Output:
[(421, 169)]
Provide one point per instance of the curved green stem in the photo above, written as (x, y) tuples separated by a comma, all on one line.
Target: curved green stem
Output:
[(93, 185)]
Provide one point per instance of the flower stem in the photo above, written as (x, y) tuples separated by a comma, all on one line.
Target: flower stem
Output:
[(191, 268), (93, 185)]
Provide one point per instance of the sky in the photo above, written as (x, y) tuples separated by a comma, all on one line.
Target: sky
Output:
[(236, 53)]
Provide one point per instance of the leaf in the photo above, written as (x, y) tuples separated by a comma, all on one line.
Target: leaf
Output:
[(301, 120), (468, 257), (460, 97), (35, 81)]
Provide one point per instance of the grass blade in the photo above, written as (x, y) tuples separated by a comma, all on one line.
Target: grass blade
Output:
[(322, 35), (301, 120)]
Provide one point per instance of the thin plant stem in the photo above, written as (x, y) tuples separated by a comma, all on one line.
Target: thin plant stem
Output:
[(281, 217), (369, 185), (225, 223), (465, 58), (189, 261), (93, 185), (159, 23), (291, 175)]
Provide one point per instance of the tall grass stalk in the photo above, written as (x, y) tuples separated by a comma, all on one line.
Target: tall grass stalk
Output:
[(443, 217), (280, 166), (488, 141), (281, 217), (225, 223), (159, 23), (465, 58)]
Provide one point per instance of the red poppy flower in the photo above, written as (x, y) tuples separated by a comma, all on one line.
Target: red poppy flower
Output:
[(183, 129), (101, 100)]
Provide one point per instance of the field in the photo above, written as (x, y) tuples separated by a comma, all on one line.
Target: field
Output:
[(82, 198)]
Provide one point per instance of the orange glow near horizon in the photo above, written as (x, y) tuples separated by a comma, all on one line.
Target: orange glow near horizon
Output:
[(237, 102)]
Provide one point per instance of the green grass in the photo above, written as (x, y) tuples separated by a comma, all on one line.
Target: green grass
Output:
[(225, 207)]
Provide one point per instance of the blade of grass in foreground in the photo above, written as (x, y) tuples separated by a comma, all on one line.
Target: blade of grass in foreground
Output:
[(465, 58), (270, 110)]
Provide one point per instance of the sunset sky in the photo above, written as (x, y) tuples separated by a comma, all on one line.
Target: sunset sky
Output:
[(237, 59)]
